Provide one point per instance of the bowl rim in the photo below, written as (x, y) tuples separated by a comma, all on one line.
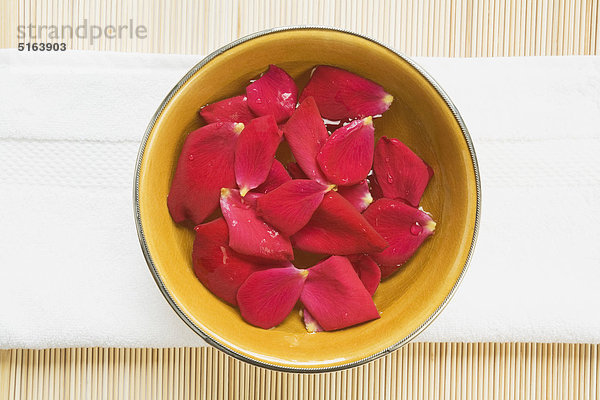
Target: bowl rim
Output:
[(142, 238)]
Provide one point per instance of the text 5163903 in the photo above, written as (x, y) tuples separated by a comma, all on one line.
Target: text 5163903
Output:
[(42, 47)]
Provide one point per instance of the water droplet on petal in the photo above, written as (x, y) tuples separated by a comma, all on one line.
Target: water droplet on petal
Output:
[(191, 157), (416, 229)]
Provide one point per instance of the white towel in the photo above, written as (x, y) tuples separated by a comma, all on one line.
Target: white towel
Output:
[(72, 272)]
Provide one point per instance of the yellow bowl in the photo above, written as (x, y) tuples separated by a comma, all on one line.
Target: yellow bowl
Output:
[(422, 116)]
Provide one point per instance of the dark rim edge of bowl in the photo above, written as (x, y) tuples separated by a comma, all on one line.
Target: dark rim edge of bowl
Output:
[(167, 294)]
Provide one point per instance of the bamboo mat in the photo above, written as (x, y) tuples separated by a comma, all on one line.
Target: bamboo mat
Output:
[(417, 371), (454, 28)]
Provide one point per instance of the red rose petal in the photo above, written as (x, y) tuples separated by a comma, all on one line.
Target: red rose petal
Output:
[(289, 207), (367, 270), (387, 271), (255, 152), (403, 226), (310, 323), (268, 296), (234, 109), (358, 195), (401, 174), (429, 171), (334, 295), (217, 266), (337, 227), (205, 165), (251, 198), (340, 94), (277, 177), (374, 187), (250, 235), (295, 171), (305, 132), (274, 93), (347, 156)]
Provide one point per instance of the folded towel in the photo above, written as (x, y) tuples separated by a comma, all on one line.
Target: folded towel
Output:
[(72, 272)]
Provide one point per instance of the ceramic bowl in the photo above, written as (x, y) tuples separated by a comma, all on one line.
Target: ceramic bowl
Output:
[(422, 116)]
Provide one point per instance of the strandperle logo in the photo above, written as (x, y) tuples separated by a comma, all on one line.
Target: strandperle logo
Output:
[(82, 31)]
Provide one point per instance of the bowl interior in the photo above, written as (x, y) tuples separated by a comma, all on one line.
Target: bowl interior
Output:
[(419, 117)]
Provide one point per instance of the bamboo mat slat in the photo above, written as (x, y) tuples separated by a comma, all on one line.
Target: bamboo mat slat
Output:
[(417, 371), (450, 28)]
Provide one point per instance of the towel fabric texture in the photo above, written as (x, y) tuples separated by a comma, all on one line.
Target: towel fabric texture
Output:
[(72, 272)]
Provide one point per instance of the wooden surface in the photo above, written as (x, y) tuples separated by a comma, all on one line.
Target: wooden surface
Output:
[(417, 371), (455, 28)]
